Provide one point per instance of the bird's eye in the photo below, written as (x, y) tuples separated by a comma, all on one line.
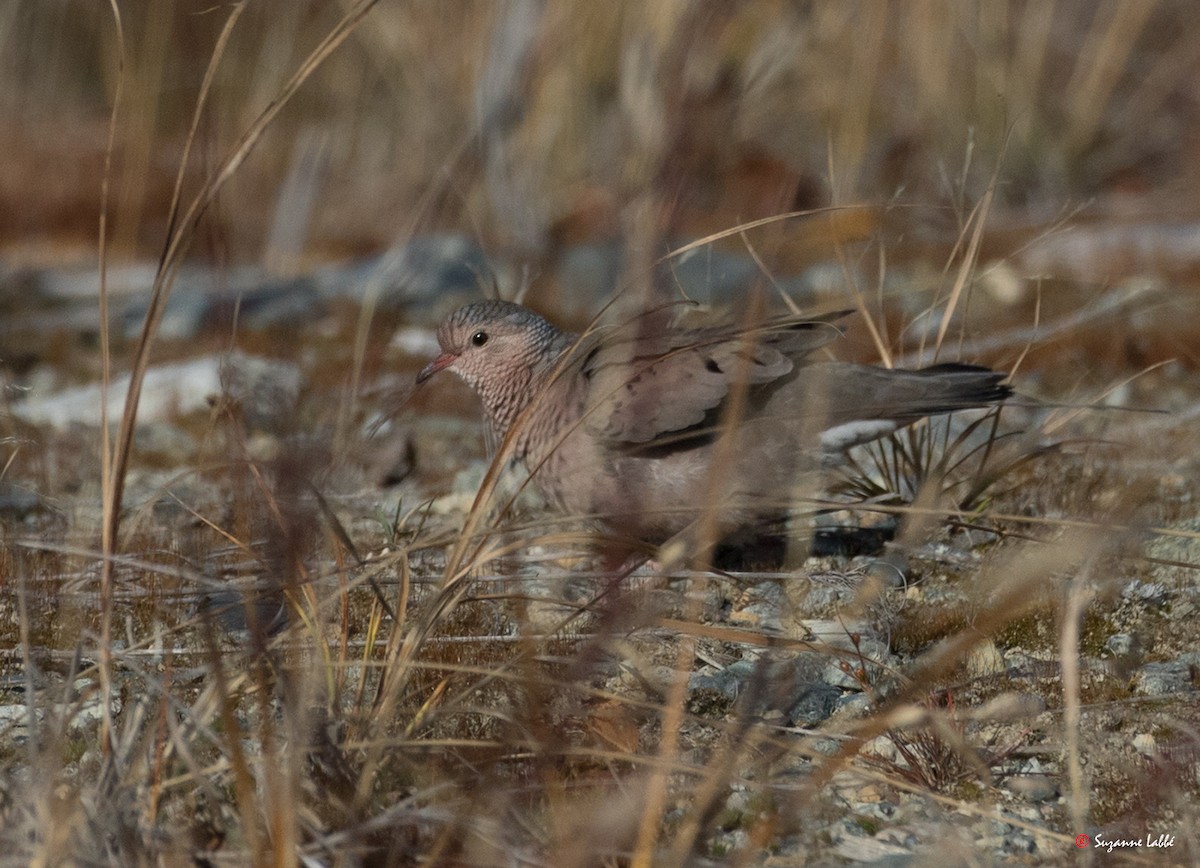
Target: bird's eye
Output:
[(479, 338)]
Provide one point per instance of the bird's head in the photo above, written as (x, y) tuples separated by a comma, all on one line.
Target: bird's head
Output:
[(497, 348)]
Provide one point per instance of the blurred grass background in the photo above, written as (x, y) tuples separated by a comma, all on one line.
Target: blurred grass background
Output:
[(533, 124)]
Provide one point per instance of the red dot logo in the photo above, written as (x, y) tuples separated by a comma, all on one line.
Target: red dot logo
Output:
[(1082, 841)]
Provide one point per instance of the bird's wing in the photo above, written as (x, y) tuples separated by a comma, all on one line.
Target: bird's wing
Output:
[(660, 381)]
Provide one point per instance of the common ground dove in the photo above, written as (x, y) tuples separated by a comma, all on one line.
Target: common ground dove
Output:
[(647, 427)]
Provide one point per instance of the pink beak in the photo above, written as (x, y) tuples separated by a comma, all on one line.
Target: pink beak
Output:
[(445, 360)]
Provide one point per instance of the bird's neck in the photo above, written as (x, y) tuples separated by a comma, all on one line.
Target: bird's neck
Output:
[(522, 387), (528, 386)]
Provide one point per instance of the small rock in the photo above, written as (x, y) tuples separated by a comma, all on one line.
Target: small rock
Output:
[(1147, 593), (884, 747), (839, 633), (985, 659), (823, 746), (84, 284), (447, 268), (1018, 841), (760, 606), (1032, 788), (390, 459), (711, 275), (592, 271), (1184, 549), (244, 614), (1002, 282), (205, 297), (265, 391), (1010, 706), (1123, 645), (729, 682), (869, 850), (814, 705), (164, 440), (416, 341), (870, 794), (17, 502), (1161, 679), (90, 711), (870, 660), (1145, 744), (170, 389), (854, 704), (14, 719)]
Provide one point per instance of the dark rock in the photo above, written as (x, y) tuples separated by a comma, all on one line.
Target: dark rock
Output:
[(264, 391), (1122, 645), (729, 682), (206, 298), (17, 502), (272, 304), (446, 268), (591, 272), (391, 459), (1164, 678), (254, 614), (816, 702), (711, 275)]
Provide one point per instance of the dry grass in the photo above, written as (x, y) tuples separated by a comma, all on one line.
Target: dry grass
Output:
[(470, 696), (767, 97)]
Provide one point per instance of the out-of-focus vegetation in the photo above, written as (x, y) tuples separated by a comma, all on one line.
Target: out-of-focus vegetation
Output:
[(530, 124)]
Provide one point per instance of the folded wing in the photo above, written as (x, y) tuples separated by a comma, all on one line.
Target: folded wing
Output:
[(661, 381)]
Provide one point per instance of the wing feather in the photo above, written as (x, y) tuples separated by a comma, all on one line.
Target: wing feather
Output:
[(644, 386)]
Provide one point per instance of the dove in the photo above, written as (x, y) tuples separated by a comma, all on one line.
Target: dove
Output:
[(646, 427)]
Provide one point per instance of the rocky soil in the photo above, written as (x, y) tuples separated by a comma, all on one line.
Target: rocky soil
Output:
[(977, 680)]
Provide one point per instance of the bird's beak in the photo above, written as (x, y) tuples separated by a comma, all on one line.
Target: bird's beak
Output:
[(442, 361)]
